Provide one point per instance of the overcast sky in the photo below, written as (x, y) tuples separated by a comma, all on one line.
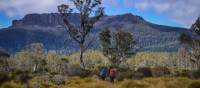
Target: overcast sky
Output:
[(180, 13)]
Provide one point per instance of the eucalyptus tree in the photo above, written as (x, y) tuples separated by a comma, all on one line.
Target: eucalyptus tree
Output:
[(90, 11), (118, 46), (194, 43)]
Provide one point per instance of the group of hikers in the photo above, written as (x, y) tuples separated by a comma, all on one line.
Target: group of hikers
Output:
[(111, 73)]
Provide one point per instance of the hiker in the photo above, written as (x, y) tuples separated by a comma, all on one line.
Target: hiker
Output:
[(112, 74), (102, 73)]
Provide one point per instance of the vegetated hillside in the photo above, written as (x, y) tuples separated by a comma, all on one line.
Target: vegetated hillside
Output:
[(48, 29)]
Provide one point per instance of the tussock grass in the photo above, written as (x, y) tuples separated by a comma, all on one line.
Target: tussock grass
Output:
[(76, 82), (11, 84), (94, 82)]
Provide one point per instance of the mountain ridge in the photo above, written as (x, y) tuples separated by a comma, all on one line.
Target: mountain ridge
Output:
[(48, 29)]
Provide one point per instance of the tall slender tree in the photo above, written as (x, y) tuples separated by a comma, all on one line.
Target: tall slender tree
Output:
[(124, 44), (195, 53), (194, 43), (105, 39), (196, 26), (118, 46), (90, 12)]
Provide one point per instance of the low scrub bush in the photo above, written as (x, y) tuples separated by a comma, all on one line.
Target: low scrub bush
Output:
[(184, 73), (4, 77), (73, 69), (123, 73), (76, 70), (142, 72), (22, 76), (160, 71), (133, 84), (45, 81), (11, 84), (196, 74), (85, 73), (195, 84), (58, 79), (76, 82)]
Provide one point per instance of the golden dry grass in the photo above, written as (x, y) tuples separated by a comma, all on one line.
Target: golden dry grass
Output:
[(94, 82)]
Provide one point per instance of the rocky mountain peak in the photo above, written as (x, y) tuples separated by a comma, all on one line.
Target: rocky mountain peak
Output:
[(128, 17), (43, 20)]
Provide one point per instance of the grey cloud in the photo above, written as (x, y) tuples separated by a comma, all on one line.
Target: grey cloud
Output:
[(184, 12), (19, 8), (14, 8)]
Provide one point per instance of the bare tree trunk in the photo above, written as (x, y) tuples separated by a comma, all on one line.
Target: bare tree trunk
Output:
[(34, 67), (81, 56)]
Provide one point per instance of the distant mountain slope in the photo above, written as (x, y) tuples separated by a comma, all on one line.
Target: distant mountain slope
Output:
[(48, 29)]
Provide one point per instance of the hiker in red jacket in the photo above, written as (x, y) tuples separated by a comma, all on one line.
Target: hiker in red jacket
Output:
[(112, 73)]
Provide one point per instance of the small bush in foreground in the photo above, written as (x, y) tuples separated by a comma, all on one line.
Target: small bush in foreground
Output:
[(58, 79), (4, 77), (195, 84), (11, 84), (76, 82), (160, 71), (124, 73), (196, 74), (133, 84), (142, 72)]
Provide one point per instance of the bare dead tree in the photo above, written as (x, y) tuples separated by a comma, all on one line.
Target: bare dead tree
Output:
[(90, 12)]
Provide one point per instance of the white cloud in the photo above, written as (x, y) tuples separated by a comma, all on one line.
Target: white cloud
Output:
[(110, 3), (142, 5), (184, 12), (13, 8), (161, 7)]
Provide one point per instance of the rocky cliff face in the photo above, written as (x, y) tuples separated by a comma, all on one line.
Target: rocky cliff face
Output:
[(43, 20), (48, 29)]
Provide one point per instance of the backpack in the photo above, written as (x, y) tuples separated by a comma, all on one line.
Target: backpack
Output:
[(103, 72), (112, 72)]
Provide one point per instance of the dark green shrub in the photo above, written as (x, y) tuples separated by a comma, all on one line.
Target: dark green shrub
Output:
[(4, 77), (142, 72), (145, 71), (58, 79), (85, 73), (195, 84), (36, 85), (54, 73), (74, 70), (184, 73), (138, 75), (160, 71), (65, 60), (22, 76), (124, 73), (11, 84), (196, 74)]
